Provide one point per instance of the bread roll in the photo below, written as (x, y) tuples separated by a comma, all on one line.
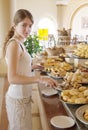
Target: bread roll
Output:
[(86, 93), (80, 100)]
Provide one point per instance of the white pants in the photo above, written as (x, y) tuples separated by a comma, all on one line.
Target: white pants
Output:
[(19, 113)]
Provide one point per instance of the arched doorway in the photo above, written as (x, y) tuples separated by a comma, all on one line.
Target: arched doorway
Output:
[(79, 23)]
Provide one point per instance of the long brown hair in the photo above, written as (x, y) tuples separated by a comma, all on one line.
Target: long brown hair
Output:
[(20, 15)]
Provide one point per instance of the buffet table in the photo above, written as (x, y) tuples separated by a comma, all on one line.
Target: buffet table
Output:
[(50, 106)]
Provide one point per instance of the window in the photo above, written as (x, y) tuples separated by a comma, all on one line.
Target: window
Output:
[(48, 25)]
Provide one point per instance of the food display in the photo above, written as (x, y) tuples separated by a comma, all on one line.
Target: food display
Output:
[(69, 77), (57, 68), (57, 72), (51, 62), (77, 77), (81, 51), (67, 85), (61, 69), (75, 96)]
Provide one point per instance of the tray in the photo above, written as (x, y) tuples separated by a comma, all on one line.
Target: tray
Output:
[(60, 98), (55, 77)]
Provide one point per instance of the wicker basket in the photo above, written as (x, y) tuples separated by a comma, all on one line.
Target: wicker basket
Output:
[(55, 51)]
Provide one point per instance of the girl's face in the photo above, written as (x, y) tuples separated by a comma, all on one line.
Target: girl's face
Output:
[(23, 28)]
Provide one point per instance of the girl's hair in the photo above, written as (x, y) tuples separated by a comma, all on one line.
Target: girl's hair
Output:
[(20, 15)]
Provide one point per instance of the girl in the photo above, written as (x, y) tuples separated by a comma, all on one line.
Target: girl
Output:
[(18, 96)]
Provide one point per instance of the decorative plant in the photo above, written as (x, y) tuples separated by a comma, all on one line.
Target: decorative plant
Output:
[(32, 44)]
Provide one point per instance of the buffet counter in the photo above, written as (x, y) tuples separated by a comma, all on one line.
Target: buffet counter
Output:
[(50, 106)]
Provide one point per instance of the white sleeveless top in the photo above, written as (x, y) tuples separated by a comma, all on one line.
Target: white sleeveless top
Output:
[(23, 68)]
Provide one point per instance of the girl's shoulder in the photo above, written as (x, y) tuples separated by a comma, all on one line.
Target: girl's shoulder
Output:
[(11, 41)]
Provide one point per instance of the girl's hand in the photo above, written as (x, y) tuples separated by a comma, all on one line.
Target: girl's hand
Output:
[(49, 82), (37, 67)]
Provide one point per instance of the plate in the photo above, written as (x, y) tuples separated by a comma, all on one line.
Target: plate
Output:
[(55, 77), (60, 87), (49, 92), (69, 54), (79, 114), (62, 122)]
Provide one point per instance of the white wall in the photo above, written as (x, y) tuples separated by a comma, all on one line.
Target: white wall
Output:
[(69, 10), (39, 9), (4, 19), (61, 15)]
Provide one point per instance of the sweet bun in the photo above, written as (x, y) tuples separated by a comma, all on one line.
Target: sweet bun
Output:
[(80, 100), (81, 89), (73, 92), (65, 98), (86, 92)]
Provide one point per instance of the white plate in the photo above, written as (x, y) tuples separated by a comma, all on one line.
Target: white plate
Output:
[(62, 122), (79, 114), (49, 92), (69, 54), (60, 87)]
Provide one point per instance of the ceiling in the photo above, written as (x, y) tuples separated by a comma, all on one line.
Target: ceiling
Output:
[(62, 2)]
